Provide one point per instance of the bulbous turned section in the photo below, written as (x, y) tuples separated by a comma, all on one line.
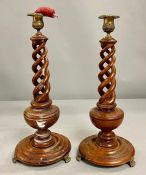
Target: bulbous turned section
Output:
[(42, 119), (107, 121)]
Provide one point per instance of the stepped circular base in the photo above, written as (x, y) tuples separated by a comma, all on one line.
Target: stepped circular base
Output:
[(93, 153), (26, 153)]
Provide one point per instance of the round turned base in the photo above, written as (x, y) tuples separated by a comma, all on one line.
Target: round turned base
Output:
[(26, 153), (93, 153)]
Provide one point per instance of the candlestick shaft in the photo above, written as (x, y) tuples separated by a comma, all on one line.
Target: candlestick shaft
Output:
[(41, 72), (107, 74)]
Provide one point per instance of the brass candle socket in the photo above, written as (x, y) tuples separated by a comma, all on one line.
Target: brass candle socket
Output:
[(38, 22), (108, 24)]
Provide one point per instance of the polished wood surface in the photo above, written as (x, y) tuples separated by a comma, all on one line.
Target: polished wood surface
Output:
[(43, 147), (107, 149)]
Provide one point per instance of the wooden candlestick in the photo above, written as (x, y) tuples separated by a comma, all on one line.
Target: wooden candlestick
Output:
[(44, 147), (107, 149)]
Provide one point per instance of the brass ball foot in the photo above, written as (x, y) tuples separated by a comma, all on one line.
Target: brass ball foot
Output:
[(67, 159), (14, 160), (132, 163), (78, 157)]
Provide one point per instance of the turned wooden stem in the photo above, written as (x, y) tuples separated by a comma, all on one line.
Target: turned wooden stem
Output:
[(41, 100), (43, 138), (106, 89)]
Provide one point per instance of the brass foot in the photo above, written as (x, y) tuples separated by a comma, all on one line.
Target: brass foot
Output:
[(67, 159), (78, 158), (132, 163), (14, 160)]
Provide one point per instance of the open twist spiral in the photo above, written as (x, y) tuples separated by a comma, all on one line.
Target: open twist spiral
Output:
[(107, 74), (40, 68)]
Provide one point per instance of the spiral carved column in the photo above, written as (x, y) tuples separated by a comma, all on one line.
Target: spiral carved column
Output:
[(107, 74), (41, 72), (41, 90), (43, 147), (107, 149)]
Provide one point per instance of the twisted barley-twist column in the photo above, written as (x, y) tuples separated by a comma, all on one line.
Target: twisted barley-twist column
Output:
[(107, 74), (106, 89), (40, 68)]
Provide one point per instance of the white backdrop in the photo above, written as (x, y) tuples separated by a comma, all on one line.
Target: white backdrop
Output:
[(73, 47)]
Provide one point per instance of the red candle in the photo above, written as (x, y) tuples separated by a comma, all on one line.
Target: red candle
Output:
[(46, 11)]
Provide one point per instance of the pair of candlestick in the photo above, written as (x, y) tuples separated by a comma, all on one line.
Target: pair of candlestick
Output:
[(46, 147)]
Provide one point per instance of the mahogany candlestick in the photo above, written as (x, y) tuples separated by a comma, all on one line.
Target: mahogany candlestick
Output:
[(107, 149), (43, 147)]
